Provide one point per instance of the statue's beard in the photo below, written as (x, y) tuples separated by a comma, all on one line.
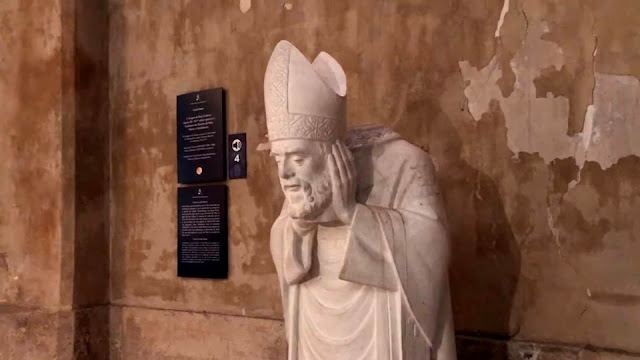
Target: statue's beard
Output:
[(316, 198)]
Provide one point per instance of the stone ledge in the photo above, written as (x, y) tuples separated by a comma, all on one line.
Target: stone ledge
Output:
[(121, 332), (40, 334), (138, 333), (477, 348)]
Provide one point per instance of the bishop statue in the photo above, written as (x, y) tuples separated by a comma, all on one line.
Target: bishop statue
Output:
[(361, 246)]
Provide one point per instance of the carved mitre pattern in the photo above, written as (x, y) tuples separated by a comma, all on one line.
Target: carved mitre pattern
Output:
[(281, 124), (275, 82)]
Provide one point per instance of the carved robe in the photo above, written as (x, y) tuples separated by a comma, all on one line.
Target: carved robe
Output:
[(397, 242)]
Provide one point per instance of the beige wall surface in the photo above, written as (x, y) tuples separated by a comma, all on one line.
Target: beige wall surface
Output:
[(31, 204), (529, 109), (54, 243), (32, 209)]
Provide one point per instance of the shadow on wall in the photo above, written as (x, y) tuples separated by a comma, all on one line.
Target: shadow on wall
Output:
[(485, 270), (86, 40), (486, 258)]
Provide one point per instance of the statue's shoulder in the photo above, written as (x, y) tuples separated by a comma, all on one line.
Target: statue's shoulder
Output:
[(386, 146), (281, 221), (277, 237)]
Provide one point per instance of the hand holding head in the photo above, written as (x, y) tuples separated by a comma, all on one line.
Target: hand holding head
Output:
[(343, 180)]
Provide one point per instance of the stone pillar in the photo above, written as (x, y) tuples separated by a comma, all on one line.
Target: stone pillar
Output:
[(54, 253)]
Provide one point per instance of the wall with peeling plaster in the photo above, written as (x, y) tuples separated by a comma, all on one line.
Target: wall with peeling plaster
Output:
[(529, 108)]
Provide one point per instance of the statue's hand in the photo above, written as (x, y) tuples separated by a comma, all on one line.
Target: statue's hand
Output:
[(343, 180)]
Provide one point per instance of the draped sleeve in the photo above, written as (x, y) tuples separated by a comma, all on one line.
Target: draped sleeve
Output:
[(399, 241)]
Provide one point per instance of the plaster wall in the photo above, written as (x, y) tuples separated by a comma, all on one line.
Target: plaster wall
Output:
[(508, 97), (529, 109), (31, 205), (53, 240)]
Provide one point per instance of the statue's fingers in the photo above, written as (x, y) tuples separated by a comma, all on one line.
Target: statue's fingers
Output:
[(342, 170), (347, 158), (348, 152), (335, 175)]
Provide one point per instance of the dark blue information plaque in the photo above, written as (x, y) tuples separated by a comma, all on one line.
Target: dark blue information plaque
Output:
[(201, 136), (237, 153), (202, 232)]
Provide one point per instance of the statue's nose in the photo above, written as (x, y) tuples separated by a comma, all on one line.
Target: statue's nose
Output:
[(285, 171)]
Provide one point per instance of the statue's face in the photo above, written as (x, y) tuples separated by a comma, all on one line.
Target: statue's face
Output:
[(304, 176)]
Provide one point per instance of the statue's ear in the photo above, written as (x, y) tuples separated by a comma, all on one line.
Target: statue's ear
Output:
[(331, 73)]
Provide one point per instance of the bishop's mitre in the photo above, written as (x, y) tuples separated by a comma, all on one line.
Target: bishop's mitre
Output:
[(304, 100)]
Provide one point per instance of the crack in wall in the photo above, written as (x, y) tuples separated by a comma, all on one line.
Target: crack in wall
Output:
[(503, 13), (587, 127), (526, 23), (555, 232)]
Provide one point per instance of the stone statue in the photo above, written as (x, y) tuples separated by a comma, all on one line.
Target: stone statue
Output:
[(360, 247)]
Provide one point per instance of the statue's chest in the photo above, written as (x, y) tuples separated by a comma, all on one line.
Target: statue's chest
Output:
[(337, 319), (330, 251), (342, 320)]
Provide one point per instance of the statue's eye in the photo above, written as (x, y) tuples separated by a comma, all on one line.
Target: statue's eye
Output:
[(298, 161)]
